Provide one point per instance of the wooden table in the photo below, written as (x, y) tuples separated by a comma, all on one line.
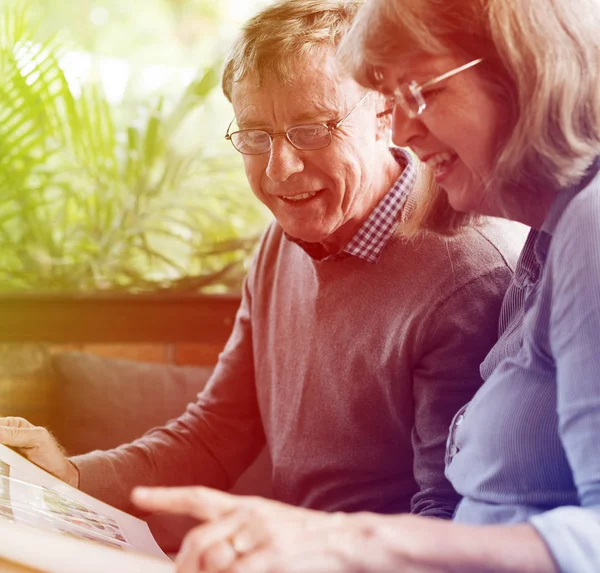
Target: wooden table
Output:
[(10, 567)]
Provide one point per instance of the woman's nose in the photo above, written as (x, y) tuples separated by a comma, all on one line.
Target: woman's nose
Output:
[(405, 128)]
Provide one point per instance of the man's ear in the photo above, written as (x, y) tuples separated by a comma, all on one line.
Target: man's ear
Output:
[(384, 120)]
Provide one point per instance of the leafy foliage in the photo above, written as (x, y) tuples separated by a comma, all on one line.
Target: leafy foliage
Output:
[(88, 204)]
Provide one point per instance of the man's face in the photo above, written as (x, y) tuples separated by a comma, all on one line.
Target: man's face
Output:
[(324, 195)]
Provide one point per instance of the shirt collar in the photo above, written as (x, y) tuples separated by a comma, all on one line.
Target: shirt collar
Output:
[(373, 235), (560, 203)]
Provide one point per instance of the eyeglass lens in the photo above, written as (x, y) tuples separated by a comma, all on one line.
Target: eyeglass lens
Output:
[(304, 137), (409, 98), (251, 142), (309, 136)]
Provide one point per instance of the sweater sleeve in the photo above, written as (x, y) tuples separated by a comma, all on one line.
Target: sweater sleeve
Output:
[(210, 444), (456, 338), (572, 533)]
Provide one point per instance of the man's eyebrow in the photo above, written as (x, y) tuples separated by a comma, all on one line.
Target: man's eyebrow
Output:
[(319, 111), (317, 114), (249, 124)]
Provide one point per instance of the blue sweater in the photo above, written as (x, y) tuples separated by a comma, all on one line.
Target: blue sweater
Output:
[(527, 448)]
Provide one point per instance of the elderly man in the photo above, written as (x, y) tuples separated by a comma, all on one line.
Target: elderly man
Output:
[(358, 336)]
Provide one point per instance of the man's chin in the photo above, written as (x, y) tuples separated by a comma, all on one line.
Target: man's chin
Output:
[(306, 235)]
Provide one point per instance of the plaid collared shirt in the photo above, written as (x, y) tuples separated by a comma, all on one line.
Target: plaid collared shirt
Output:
[(373, 235)]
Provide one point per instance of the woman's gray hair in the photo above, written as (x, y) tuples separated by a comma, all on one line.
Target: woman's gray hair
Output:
[(542, 57)]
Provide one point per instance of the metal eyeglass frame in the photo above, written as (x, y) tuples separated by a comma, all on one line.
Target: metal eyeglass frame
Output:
[(416, 90), (331, 126)]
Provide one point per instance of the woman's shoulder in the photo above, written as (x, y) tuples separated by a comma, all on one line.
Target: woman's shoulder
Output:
[(582, 214), (577, 233), (585, 205)]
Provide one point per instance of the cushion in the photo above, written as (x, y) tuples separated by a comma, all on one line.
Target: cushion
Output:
[(26, 383), (105, 402)]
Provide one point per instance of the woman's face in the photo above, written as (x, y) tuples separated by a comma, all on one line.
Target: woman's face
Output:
[(459, 132)]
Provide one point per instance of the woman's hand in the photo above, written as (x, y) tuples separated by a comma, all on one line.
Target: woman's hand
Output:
[(254, 535), (39, 446)]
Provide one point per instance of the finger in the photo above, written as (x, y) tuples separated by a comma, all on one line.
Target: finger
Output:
[(204, 536), (200, 502), (15, 422), (218, 557), (197, 542), (296, 559), (257, 562), (245, 539), (187, 561), (16, 437)]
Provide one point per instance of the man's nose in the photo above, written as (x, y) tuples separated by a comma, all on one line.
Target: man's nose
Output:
[(284, 160), (404, 128)]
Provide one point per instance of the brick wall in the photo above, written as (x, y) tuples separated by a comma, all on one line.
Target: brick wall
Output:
[(182, 354)]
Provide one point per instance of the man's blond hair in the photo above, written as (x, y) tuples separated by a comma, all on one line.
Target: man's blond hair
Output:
[(274, 42)]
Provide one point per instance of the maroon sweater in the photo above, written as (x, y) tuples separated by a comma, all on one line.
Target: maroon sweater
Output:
[(349, 371)]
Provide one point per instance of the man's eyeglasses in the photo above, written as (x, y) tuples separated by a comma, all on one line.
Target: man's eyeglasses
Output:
[(303, 137), (410, 97)]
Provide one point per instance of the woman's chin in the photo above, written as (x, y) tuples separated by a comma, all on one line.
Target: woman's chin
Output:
[(460, 203), (465, 200)]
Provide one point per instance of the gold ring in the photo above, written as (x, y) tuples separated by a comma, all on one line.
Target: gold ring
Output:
[(241, 543)]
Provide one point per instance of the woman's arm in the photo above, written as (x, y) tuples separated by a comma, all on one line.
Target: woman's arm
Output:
[(253, 535), (425, 545), (572, 283)]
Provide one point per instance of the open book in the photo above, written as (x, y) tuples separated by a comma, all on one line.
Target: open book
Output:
[(50, 526)]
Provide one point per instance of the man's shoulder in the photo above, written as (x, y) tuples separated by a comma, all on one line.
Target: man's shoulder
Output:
[(489, 243), (441, 265), (502, 237), (273, 247), (272, 235)]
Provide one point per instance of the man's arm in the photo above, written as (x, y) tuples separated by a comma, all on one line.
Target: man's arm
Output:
[(455, 339), (210, 444)]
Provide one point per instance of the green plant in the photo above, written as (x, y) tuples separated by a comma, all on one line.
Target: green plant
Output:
[(91, 202)]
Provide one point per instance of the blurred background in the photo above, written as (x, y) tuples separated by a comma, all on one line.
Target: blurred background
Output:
[(114, 172)]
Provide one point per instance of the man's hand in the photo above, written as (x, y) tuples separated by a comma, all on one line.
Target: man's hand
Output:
[(39, 446)]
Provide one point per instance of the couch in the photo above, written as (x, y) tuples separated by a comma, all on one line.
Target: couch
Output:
[(100, 403)]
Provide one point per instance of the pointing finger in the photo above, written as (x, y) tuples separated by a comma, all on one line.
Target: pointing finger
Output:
[(200, 502)]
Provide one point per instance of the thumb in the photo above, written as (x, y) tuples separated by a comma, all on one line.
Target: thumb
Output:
[(15, 422), (21, 437)]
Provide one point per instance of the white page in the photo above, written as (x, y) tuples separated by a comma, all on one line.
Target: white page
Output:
[(30, 496), (55, 553)]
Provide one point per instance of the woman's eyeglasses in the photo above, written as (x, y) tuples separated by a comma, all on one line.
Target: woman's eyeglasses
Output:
[(410, 97)]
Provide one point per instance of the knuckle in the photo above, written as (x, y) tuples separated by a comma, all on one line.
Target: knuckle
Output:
[(40, 436), (194, 539), (241, 568), (12, 433), (197, 497), (256, 509)]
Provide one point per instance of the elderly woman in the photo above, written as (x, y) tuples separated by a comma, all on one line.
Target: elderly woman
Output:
[(501, 98)]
